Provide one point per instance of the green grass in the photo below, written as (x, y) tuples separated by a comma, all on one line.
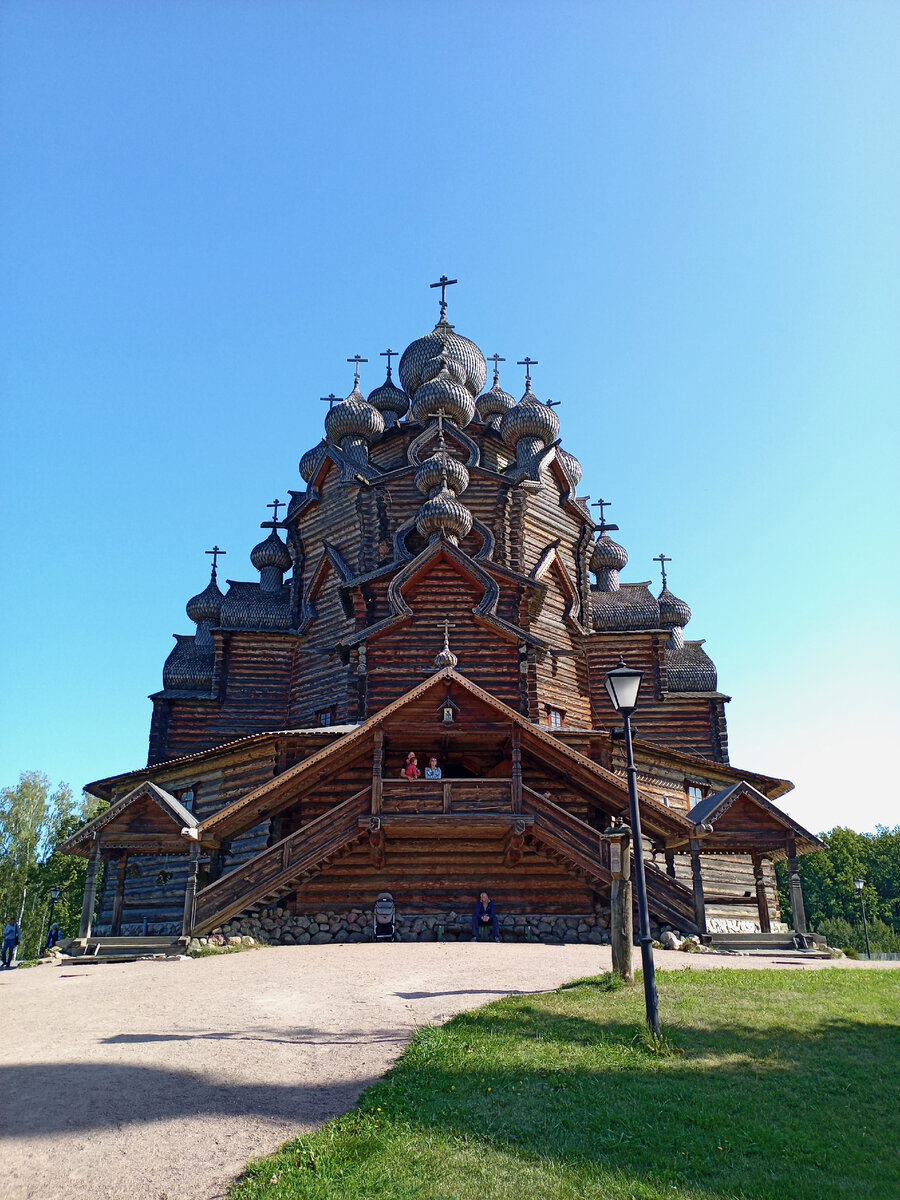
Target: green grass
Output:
[(769, 1085)]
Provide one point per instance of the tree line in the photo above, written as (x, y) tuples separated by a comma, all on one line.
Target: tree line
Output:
[(35, 819), (830, 895)]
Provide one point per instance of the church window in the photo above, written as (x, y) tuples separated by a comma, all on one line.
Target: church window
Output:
[(324, 717), (695, 793), (185, 798), (555, 717)]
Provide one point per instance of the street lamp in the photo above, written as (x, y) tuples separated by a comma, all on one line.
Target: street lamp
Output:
[(623, 684), (860, 884)]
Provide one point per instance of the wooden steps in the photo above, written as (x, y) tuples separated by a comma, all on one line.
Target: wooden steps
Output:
[(123, 949), (768, 943)]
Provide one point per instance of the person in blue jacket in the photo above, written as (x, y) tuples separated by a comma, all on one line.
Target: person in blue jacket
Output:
[(485, 913), (11, 937)]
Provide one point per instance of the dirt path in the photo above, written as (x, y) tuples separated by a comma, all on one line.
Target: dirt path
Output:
[(159, 1080)]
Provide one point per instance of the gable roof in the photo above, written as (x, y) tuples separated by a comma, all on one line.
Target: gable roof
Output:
[(280, 791), (80, 841), (713, 807)]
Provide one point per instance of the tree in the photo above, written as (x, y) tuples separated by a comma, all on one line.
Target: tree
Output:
[(830, 895), (34, 821)]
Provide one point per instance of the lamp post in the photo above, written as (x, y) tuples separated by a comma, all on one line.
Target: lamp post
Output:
[(623, 684), (860, 884)]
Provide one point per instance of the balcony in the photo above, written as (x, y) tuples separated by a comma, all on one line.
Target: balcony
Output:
[(442, 797)]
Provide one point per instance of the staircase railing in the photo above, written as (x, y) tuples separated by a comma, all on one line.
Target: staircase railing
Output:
[(580, 843), (281, 863)]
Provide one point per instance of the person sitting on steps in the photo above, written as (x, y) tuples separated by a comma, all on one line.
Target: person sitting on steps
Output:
[(485, 914)]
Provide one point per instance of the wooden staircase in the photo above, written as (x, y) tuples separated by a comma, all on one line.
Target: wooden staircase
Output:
[(123, 949), (275, 871), (575, 846)]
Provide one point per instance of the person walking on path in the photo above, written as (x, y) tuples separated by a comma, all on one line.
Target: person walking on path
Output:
[(11, 938), (485, 914)]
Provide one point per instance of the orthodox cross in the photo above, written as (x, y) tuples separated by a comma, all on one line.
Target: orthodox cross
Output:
[(552, 403), (602, 504), (273, 524), (356, 359), (447, 628), (388, 354), (443, 283), (495, 358), (527, 363), (330, 400), (662, 560), (215, 552)]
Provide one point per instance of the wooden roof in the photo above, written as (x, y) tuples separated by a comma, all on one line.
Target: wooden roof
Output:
[(149, 820), (742, 819), (281, 791)]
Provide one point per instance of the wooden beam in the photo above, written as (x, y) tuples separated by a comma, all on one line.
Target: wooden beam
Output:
[(90, 889), (762, 901), (190, 890), (377, 761), (697, 882), (119, 899), (796, 888), (516, 752)]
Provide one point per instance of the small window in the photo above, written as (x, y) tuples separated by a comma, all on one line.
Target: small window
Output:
[(186, 798), (695, 793), (555, 717), (324, 717)]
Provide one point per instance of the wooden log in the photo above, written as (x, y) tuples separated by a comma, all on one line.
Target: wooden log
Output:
[(119, 897), (190, 890), (90, 889), (762, 902), (697, 884)]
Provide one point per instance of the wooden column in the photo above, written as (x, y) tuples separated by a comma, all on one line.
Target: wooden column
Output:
[(796, 888), (762, 900), (447, 799), (670, 864), (90, 889), (377, 759), (516, 769), (190, 890), (697, 882), (119, 898)]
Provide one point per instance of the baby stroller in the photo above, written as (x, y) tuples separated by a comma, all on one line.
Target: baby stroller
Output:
[(384, 926)]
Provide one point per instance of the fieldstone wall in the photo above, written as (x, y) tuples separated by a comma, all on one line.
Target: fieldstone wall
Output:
[(280, 927)]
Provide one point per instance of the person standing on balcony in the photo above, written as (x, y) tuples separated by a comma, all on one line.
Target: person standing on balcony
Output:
[(433, 771), (411, 768), (485, 914)]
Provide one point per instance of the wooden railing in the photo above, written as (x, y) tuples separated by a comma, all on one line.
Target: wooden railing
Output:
[(277, 865), (437, 796), (580, 843)]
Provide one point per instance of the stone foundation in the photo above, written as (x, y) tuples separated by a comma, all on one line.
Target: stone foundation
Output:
[(280, 927)]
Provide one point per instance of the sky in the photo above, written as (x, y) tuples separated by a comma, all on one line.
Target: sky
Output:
[(686, 212)]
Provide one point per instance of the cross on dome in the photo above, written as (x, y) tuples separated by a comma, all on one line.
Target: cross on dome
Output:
[(215, 552), (495, 359), (331, 399), (662, 559), (443, 283), (388, 354), (356, 359), (602, 504), (527, 363), (274, 523)]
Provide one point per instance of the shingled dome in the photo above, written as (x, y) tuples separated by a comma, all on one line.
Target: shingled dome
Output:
[(207, 605), (442, 343), (354, 418), (390, 401), (271, 553)]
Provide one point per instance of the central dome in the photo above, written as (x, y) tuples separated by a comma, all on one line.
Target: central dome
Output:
[(441, 349)]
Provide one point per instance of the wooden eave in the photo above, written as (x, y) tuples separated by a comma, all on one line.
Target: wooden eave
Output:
[(105, 788), (713, 811), (146, 842), (281, 791)]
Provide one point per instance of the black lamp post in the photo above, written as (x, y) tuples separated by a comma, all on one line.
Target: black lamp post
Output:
[(860, 884), (623, 684)]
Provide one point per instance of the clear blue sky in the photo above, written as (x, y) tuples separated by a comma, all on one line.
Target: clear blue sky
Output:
[(687, 212)]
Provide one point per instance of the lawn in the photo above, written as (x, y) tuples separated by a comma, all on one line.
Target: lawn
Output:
[(770, 1084)]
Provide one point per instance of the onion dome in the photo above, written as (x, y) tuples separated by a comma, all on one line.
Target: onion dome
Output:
[(390, 401), (608, 555), (440, 468), (493, 404), (443, 514), (445, 658), (354, 418), (189, 668), (443, 394), (674, 614), (206, 607), (271, 553), (310, 461), (443, 349), (529, 419), (571, 466)]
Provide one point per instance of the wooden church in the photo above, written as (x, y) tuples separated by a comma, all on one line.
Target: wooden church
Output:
[(437, 586)]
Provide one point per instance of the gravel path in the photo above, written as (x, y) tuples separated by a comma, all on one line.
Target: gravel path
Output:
[(159, 1080)]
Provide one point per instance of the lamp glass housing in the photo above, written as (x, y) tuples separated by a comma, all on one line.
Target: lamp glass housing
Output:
[(859, 884), (54, 894), (623, 684)]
